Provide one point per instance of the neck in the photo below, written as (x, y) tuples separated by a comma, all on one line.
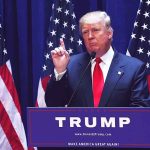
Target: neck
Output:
[(102, 52)]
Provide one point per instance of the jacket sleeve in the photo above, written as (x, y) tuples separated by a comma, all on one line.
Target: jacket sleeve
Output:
[(139, 91), (57, 92)]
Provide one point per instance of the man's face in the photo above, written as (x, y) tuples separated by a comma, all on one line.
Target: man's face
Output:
[(96, 37)]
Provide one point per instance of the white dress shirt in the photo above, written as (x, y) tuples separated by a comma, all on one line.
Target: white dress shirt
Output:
[(105, 64)]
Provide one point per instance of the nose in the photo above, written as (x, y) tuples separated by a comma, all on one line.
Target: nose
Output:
[(90, 35)]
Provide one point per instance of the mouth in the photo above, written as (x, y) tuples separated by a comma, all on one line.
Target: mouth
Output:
[(92, 44)]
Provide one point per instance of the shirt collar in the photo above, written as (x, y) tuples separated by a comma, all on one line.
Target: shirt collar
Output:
[(107, 57)]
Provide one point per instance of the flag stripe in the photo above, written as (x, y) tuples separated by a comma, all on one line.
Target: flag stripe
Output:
[(3, 140), (41, 93), (8, 129), (45, 81), (12, 134), (9, 66), (41, 96), (8, 80), (148, 80), (7, 100)]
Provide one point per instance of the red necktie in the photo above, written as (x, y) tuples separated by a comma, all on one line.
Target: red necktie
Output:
[(98, 82)]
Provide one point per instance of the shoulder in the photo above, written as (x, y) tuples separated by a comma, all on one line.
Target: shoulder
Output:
[(79, 61), (128, 60), (79, 57)]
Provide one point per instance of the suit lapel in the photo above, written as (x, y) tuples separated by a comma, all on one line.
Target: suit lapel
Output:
[(114, 74)]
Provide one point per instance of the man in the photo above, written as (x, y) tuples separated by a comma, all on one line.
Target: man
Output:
[(110, 80)]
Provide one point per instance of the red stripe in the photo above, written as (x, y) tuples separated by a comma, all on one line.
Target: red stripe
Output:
[(8, 80), (45, 81), (9, 129), (148, 79), (36, 105)]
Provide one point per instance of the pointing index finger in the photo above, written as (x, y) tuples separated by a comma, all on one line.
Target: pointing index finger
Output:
[(62, 44)]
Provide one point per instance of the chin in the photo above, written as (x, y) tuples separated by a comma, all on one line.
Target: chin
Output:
[(90, 50), (93, 50)]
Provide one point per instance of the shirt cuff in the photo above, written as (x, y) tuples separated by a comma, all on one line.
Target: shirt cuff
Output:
[(58, 76)]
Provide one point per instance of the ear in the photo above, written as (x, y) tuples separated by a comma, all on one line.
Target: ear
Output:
[(110, 34)]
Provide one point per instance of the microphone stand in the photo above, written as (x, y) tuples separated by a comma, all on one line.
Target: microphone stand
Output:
[(82, 76)]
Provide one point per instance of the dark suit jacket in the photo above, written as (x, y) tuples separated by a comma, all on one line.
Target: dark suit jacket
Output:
[(125, 84)]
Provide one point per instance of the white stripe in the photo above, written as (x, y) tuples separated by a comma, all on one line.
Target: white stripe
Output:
[(9, 66), (128, 53), (41, 96), (4, 143), (12, 112)]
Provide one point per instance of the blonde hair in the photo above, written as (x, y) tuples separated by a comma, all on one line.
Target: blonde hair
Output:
[(94, 17)]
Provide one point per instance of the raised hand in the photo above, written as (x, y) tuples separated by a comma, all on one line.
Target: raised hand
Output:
[(60, 57)]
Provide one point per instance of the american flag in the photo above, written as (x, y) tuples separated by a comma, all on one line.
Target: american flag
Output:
[(62, 25), (139, 45), (12, 134)]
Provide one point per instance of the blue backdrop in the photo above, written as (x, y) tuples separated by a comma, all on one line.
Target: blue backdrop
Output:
[(26, 23)]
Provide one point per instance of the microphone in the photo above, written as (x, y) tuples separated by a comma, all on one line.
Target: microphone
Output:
[(92, 55)]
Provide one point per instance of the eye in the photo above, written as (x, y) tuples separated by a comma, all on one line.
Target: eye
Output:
[(96, 30), (85, 32)]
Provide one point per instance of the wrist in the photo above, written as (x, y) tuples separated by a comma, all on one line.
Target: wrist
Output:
[(58, 76), (60, 70)]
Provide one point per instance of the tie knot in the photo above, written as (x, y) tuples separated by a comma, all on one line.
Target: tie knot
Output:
[(98, 60)]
